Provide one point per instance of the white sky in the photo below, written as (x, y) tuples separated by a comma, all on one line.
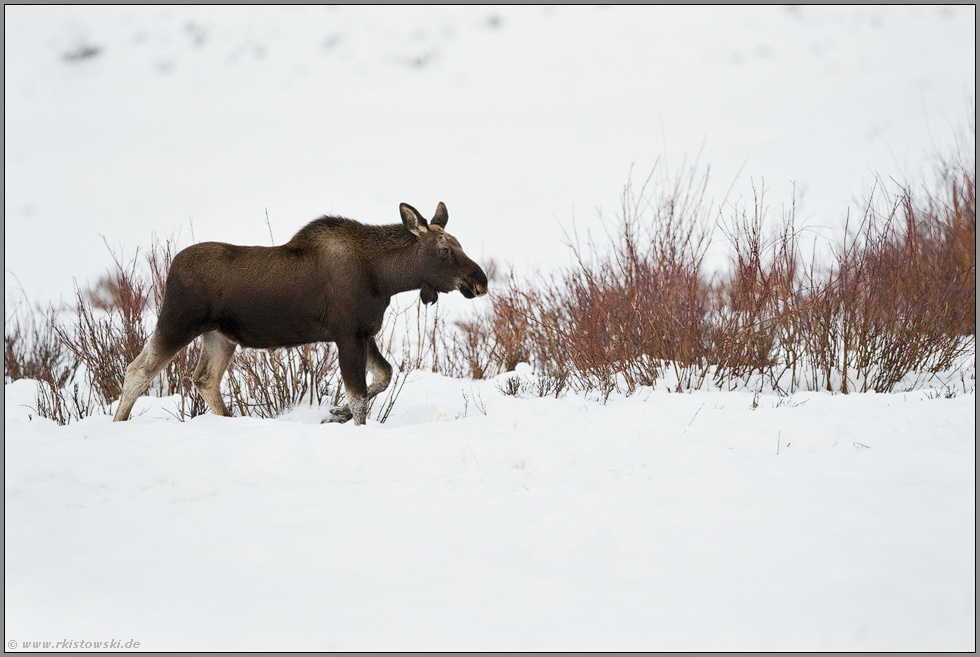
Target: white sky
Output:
[(525, 121)]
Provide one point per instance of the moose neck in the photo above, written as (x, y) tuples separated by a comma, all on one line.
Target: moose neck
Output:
[(391, 250), (397, 270)]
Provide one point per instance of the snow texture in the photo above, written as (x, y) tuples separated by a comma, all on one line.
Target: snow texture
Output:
[(655, 522)]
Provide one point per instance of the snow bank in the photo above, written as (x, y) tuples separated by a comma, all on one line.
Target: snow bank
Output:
[(655, 522)]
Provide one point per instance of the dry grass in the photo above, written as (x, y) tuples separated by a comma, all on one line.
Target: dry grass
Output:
[(33, 350), (269, 383)]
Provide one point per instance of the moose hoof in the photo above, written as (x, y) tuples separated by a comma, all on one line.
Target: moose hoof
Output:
[(339, 414)]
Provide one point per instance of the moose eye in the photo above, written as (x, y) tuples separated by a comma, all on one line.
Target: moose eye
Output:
[(444, 252)]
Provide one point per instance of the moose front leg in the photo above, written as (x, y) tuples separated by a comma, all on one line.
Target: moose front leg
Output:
[(352, 354), (380, 379)]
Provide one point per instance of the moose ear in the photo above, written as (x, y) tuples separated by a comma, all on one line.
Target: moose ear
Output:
[(428, 294), (441, 217), (412, 219)]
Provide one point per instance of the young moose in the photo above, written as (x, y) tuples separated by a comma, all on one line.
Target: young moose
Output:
[(331, 283)]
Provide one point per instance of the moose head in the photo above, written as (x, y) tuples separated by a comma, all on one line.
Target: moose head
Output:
[(443, 264)]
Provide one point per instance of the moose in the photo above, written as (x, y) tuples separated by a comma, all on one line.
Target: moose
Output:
[(332, 282)]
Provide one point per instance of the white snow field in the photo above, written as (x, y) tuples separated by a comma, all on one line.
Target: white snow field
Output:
[(655, 522), (473, 520)]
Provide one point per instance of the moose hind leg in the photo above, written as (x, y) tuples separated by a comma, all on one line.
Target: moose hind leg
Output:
[(141, 372), (216, 354)]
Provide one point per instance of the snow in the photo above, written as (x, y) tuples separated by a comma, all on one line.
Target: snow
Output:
[(654, 522), (473, 520)]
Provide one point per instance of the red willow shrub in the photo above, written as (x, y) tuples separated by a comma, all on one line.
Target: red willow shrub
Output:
[(897, 299)]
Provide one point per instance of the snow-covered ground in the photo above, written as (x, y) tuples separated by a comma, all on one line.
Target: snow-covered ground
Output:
[(471, 519), (655, 522)]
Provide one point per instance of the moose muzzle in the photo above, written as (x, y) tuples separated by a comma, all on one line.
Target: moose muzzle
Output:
[(474, 284)]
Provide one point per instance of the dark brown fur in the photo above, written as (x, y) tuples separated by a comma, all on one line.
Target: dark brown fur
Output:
[(332, 282)]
